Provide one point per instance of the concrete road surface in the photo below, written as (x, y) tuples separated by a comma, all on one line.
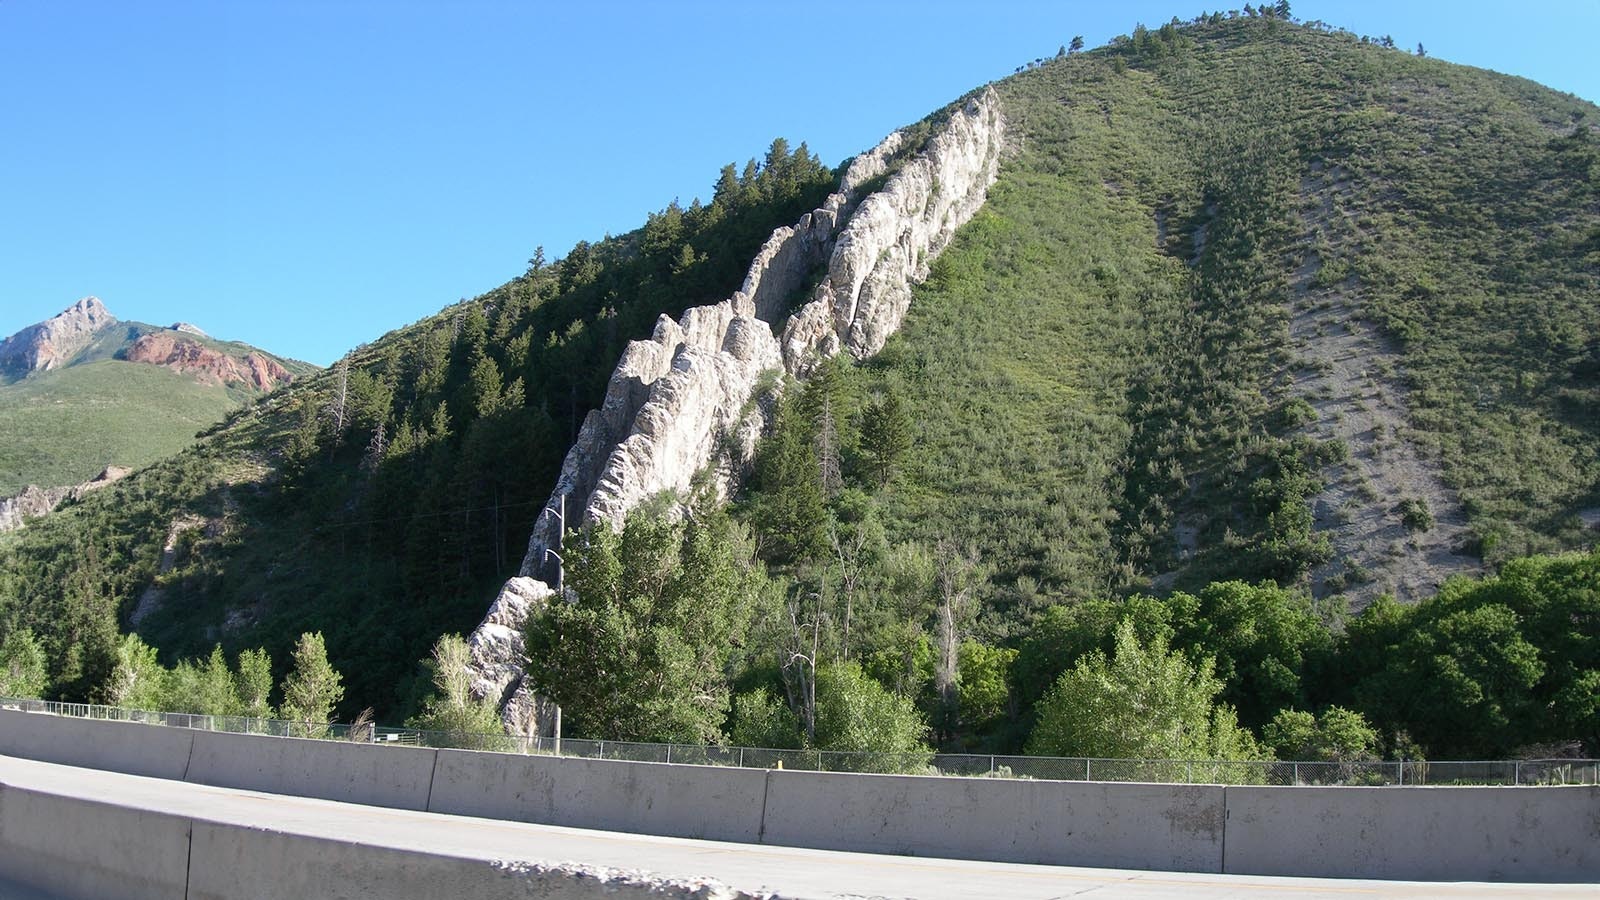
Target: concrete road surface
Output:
[(505, 848)]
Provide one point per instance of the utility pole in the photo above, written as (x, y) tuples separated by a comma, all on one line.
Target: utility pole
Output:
[(561, 534)]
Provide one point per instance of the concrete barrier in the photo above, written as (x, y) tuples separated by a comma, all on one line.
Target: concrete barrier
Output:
[(396, 777), (152, 750), (1126, 826), (65, 846), (1546, 834), (712, 802), (233, 861), (70, 847), (1538, 834)]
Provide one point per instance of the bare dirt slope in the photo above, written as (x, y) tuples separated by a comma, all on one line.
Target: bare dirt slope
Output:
[(1354, 379)]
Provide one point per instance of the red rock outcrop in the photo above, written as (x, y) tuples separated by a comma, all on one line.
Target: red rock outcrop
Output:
[(175, 350)]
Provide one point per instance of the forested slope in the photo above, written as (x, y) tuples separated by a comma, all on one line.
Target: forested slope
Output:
[(383, 500)]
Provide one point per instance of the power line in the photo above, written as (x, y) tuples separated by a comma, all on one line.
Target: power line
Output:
[(432, 515)]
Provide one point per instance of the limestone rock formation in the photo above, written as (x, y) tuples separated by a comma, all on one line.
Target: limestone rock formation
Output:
[(498, 654), (683, 402), (186, 328), (36, 501), (53, 343)]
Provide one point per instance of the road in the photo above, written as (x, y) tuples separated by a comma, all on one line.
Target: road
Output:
[(756, 869)]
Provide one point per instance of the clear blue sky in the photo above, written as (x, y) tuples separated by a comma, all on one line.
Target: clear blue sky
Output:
[(308, 175)]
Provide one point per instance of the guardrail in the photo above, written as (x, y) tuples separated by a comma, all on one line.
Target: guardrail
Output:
[(1370, 773)]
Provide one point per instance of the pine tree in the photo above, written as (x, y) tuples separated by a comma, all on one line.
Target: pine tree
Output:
[(22, 670), (885, 435)]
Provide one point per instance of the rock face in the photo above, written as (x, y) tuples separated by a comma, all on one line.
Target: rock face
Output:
[(683, 402), (172, 350), (497, 655), (53, 343), (36, 501), (186, 328)]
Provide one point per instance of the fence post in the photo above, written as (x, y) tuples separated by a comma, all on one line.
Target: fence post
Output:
[(1516, 772), (602, 749), (1086, 768), (741, 757), (992, 769), (669, 752), (1297, 773)]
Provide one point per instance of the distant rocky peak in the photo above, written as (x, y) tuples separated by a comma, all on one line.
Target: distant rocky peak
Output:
[(186, 328), (53, 343)]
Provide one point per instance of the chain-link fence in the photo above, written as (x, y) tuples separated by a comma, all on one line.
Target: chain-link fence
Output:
[(1272, 772)]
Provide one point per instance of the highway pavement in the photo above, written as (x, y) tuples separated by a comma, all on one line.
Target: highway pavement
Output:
[(673, 863)]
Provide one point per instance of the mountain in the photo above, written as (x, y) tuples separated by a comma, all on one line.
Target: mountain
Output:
[(1234, 317), (82, 391)]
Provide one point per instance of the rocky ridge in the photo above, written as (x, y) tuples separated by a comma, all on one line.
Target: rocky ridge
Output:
[(174, 350), (53, 343), (683, 402)]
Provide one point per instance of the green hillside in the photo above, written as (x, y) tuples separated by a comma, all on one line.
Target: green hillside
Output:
[(1261, 323), (63, 427), (1102, 372), (1252, 302)]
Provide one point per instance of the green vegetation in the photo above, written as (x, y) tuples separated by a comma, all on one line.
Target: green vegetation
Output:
[(65, 426), (1337, 735), (1485, 666), (313, 689), (451, 708), (1100, 393), (1143, 702), (22, 672), (644, 652), (1069, 507), (381, 501)]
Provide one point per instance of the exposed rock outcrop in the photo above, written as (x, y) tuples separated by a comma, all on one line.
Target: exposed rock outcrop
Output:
[(498, 654), (186, 328), (172, 350), (36, 501), (53, 343), (683, 402)]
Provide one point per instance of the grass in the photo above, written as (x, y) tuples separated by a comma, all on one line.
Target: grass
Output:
[(64, 426)]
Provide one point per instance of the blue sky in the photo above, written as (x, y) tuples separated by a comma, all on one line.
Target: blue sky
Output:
[(308, 175)]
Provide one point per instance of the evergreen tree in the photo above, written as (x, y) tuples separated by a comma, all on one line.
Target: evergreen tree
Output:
[(885, 435), (792, 515), (22, 669)]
